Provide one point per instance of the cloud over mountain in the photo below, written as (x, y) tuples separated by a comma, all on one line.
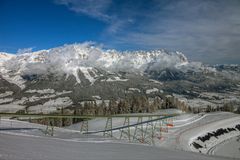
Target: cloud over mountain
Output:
[(206, 31), (71, 58)]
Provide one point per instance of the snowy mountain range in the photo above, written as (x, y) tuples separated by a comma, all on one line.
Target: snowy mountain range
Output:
[(70, 74), (85, 58)]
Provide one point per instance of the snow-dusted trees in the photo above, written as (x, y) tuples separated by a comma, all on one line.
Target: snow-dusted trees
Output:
[(140, 104)]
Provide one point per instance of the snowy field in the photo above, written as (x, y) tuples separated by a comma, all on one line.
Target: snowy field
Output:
[(69, 143), (228, 147), (32, 148), (99, 123), (187, 127)]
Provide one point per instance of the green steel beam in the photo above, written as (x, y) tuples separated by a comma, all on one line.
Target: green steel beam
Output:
[(81, 116)]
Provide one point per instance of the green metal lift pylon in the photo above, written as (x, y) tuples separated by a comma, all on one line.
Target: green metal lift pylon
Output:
[(149, 132), (108, 128), (50, 127), (84, 127), (138, 132), (126, 131)]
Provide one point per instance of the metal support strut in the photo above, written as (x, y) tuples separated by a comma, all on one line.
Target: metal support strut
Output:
[(126, 131), (149, 132), (50, 127), (138, 133), (108, 128), (84, 127)]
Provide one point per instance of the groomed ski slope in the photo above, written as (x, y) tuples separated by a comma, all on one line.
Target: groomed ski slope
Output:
[(23, 141), (187, 127), (17, 147)]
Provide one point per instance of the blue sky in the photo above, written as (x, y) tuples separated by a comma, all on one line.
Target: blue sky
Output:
[(206, 30)]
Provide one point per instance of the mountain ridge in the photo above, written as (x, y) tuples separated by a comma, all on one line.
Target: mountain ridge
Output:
[(84, 72), (70, 59)]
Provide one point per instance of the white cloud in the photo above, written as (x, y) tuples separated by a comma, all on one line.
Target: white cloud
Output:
[(101, 10), (24, 50), (94, 8), (205, 30)]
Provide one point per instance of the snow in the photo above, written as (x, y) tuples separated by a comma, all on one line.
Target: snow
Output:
[(63, 92), (38, 148), (188, 121), (85, 71), (99, 123), (5, 56), (74, 70), (212, 99), (186, 128), (44, 94), (114, 79), (148, 91), (185, 133), (134, 89), (155, 81), (200, 103), (44, 91), (60, 101), (5, 100), (10, 108), (226, 123), (75, 73), (33, 99), (20, 101), (74, 57), (98, 101), (97, 97), (51, 105), (5, 94), (70, 144), (15, 79), (86, 57), (228, 147), (211, 95)]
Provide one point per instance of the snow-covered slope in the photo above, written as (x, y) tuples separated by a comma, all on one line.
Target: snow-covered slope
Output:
[(61, 149)]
